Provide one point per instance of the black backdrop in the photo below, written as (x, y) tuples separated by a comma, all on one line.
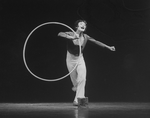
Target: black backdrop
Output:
[(111, 76)]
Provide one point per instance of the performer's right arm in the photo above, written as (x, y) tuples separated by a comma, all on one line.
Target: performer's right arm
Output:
[(68, 35)]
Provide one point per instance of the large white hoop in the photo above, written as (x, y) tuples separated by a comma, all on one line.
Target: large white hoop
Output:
[(24, 48)]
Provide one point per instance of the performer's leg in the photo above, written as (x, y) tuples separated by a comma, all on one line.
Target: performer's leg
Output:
[(73, 77), (81, 80), (73, 74), (78, 76), (70, 65)]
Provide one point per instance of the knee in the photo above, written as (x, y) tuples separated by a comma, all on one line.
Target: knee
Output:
[(81, 80)]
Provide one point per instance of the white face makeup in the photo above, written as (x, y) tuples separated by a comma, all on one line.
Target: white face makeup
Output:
[(81, 26)]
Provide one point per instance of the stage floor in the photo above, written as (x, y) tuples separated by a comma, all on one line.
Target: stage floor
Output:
[(66, 110)]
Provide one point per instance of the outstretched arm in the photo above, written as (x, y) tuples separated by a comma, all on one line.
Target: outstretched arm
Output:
[(68, 35), (112, 48)]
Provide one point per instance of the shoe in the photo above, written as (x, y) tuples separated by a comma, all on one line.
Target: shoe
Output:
[(75, 103), (83, 102)]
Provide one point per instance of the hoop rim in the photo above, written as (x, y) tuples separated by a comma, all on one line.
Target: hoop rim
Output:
[(24, 50)]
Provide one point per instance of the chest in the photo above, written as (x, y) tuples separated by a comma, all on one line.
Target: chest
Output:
[(78, 41)]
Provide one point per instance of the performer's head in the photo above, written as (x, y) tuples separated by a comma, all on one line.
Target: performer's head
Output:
[(81, 25)]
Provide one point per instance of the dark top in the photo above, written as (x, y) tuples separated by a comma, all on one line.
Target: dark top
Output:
[(74, 49)]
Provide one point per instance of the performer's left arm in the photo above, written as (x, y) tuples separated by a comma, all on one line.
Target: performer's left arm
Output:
[(112, 48)]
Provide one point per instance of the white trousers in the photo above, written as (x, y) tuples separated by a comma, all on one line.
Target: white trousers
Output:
[(78, 76)]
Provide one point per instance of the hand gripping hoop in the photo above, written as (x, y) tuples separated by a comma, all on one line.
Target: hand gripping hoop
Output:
[(24, 49)]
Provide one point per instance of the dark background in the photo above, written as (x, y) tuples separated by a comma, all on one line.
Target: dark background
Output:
[(121, 76)]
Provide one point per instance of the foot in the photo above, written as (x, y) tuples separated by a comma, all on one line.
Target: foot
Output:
[(75, 103), (83, 102)]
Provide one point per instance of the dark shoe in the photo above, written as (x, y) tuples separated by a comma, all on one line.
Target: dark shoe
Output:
[(83, 102), (75, 103)]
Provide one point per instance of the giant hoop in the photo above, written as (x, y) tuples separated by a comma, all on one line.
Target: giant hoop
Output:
[(24, 48)]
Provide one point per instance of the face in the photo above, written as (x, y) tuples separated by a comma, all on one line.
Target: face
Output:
[(81, 26)]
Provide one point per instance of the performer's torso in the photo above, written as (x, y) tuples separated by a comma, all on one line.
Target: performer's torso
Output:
[(73, 45)]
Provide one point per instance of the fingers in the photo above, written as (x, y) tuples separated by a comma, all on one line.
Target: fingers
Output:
[(112, 48)]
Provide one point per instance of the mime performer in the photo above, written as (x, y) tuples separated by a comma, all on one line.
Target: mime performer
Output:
[(78, 76)]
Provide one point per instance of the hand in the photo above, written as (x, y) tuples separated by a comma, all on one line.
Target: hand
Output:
[(112, 48), (76, 35)]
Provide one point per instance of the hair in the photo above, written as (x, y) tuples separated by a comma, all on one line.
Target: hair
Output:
[(76, 23)]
